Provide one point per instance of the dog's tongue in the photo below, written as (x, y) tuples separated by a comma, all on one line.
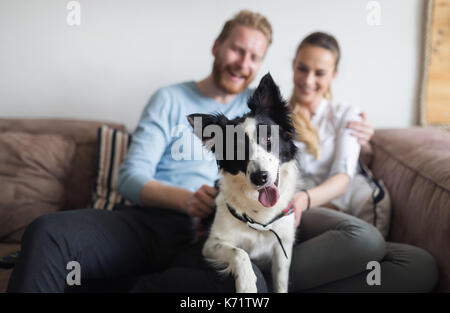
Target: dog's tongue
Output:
[(268, 196)]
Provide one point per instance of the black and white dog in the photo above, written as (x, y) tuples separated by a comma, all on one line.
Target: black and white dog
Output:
[(259, 173)]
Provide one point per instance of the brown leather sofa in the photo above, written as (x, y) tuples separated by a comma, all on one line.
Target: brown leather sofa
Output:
[(414, 164)]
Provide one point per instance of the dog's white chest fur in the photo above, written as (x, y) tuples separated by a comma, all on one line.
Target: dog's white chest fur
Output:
[(233, 243)]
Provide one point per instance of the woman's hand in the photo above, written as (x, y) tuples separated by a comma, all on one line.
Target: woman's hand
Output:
[(200, 203), (300, 204), (363, 130)]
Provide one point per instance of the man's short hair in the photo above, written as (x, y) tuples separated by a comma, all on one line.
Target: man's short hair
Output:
[(249, 19)]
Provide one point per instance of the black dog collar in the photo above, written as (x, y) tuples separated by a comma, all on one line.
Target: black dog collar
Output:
[(264, 227)]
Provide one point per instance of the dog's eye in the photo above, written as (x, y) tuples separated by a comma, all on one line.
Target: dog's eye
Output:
[(267, 141)]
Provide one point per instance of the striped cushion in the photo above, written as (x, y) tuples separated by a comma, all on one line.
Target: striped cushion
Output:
[(112, 145)]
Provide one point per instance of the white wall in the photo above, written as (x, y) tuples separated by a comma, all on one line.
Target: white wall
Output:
[(107, 67)]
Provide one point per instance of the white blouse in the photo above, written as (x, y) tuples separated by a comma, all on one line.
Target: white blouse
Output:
[(339, 150)]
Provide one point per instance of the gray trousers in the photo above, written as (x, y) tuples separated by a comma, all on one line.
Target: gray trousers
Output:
[(334, 248)]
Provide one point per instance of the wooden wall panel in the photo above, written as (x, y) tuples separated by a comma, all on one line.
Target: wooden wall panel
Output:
[(437, 84)]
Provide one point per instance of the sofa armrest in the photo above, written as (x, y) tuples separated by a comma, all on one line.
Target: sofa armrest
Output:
[(414, 164)]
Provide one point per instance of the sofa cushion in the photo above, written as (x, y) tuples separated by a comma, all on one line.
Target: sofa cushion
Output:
[(112, 146), (84, 133), (33, 170)]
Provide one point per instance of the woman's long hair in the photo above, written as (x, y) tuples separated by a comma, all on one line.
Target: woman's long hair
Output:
[(305, 130)]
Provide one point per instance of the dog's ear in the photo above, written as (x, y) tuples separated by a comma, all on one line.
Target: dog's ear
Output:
[(205, 125), (267, 96)]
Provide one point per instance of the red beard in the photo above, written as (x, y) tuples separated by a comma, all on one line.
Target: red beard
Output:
[(219, 75)]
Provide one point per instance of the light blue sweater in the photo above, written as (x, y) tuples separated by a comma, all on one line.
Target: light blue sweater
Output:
[(164, 147)]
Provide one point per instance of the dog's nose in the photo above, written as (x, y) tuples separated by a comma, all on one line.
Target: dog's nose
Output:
[(259, 178)]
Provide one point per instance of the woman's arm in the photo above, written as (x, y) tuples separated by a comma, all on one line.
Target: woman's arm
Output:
[(363, 130), (330, 189), (320, 195), (343, 166)]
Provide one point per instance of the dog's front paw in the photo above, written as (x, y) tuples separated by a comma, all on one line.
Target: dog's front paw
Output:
[(280, 282), (246, 283), (281, 289)]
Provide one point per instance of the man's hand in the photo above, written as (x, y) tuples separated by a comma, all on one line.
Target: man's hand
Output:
[(363, 130), (300, 204), (200, 203)]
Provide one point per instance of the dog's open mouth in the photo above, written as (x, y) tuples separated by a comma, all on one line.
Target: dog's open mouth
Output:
[(268, 195)]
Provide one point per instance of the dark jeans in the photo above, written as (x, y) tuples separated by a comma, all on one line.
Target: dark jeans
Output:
[(114, 249), (190, 273)]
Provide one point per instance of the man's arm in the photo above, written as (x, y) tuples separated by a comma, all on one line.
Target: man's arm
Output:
[(150, 139), (137, 172), (199, 203)]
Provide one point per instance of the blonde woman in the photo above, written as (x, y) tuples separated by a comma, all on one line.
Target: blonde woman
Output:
[(334, 248)]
